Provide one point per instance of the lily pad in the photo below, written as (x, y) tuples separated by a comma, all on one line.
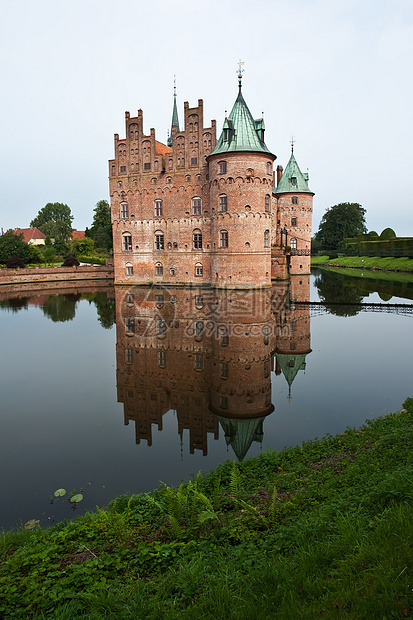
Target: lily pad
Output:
[(30, 525), (59, 492), (76, 498)]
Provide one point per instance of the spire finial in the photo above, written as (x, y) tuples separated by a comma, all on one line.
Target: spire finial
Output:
[(174, 85), (240, 72), (292, 144)]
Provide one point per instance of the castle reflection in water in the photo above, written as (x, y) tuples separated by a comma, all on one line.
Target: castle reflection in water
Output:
[(208, 354)]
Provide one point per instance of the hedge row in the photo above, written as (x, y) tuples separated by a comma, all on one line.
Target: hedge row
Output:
[(397, 246)]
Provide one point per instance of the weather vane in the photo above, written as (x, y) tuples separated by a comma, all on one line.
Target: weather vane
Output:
[(292, 144), (240, 72)]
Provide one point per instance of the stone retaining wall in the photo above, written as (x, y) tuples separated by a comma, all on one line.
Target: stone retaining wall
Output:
[(41, 275)]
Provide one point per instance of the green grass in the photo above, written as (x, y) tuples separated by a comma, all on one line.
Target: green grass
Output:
[(387, 263), (323, 529)]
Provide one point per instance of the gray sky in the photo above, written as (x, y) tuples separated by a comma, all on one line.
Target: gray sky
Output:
[(335, 74)]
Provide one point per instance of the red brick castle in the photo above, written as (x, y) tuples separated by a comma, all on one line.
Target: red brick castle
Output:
[(204, 211)]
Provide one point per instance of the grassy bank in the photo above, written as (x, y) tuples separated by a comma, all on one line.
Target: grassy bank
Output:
[(324, 529), (387, 263)]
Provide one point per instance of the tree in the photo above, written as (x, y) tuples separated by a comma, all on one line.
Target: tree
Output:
[(387, 233), (14, 245), (55, 220), (101, 229), (339, 222)]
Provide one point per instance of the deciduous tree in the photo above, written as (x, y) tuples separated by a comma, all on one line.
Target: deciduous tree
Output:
[(55, 220), (101, 229), (339, 222)]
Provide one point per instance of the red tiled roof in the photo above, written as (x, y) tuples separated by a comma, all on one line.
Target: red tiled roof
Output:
[(161, 149), (29, 233), (78, 234)]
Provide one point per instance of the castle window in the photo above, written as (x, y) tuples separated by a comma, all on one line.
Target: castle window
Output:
[(158, 208), (294, 200), (113, 171), (249, 173), (199, 361), (162, 359), (224, 337), (293, 244), (197, 240), (199, 301), (169, 246), (124, 210), (267, 202), (196, 206), (127, 242), (199, 329), (223, 239), (188, 177), (266, 334), (159, 301), (293, 221), (172, 271), (130, 299), (123, 168), (175, 245), (161, 326), (223, 205), (169, 179), (147, 165), (129, 356), (223, 401), (158, 269), (293, 180), (194, 161), (266, 239), (129, 269), (269, 168), (159, 241), (198, 269), (223, 366), (222, 167), (130, 325)]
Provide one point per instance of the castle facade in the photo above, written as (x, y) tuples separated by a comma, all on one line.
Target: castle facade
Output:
[(206, 211)]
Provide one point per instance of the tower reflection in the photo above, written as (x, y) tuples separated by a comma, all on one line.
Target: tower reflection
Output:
[(208, 355)]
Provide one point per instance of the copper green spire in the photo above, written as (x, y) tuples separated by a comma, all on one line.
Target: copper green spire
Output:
[(240, 131), (293, 180), (175, 119)]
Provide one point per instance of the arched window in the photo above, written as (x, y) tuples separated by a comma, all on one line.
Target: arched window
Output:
[(197, 239), (124, 210), (172, 271), (223, 239), (158, 208), (196, 206), (129, 269), (224, 336), (199, 269), (294, 200), (223, 204), (169, 246), (127, 242), (266, 239), (267, 202), (293, 244), (158, 269), (159, 240), (199, 329)]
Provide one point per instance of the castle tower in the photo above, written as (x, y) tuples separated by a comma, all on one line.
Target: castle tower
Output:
[(241, 178), (294, 214)]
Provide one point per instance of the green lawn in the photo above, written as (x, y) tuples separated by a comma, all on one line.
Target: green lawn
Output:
[(320, 530), (366, 262)]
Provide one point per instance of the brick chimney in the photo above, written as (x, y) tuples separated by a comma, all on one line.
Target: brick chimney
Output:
[(279, 173)]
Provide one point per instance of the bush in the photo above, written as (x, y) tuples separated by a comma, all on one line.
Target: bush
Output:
[(70, 261), (387, 233), (15, 262)]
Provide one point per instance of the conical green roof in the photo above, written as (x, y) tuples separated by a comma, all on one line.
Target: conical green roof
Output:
[(240, 434), (290, 364), (240, 131), (175, 120), (293, 180)]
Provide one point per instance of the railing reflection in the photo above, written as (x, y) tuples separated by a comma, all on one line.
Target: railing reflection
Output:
[(208, 354)]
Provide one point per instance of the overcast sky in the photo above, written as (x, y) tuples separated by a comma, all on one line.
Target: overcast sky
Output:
[(335, 74)]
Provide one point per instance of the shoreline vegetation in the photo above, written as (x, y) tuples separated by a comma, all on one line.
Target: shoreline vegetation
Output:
[(370, 263), (322, 529)]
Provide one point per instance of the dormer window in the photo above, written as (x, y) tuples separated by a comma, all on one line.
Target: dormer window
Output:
[(293, 181)]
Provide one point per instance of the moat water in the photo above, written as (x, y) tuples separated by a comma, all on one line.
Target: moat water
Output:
[(107, 392)]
